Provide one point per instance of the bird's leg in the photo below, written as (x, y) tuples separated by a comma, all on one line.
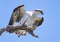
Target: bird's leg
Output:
[(31, 32)]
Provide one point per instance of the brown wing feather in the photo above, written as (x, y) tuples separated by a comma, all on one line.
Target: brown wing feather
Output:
[(18, 13), (39, 22), (17, 8), (11, 20)]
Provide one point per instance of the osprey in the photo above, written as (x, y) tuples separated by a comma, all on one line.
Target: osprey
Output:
[(26, 19), (29, 17)]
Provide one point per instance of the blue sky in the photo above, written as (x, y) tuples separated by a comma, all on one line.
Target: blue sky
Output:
[(49, 31)]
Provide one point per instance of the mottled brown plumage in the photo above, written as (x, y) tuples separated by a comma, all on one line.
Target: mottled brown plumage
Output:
[(17, 14)]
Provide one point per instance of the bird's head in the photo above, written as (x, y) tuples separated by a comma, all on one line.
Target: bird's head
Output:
[(38, 11)]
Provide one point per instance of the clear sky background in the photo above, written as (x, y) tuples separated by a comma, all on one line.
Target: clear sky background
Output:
[(49, 31)]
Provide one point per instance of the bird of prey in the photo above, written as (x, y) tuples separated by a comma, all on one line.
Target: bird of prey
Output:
[(21, 16), (25, 18)]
